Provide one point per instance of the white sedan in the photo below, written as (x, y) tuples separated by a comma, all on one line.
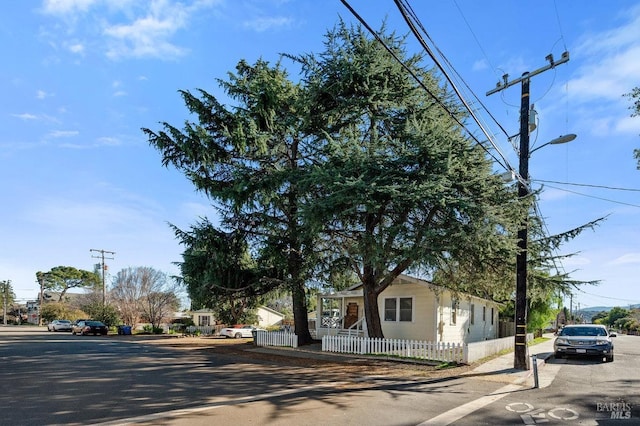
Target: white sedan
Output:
[(239, 331)]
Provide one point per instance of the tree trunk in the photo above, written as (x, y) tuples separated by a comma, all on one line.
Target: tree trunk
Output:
[(300, 317), (371, 311)]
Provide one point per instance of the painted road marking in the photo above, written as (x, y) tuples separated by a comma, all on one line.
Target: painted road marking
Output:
[(572, 416), (457, 413), (519, 407), (533, 416)]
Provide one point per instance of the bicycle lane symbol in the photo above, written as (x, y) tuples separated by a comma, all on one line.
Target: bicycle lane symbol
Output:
[(532, 416)]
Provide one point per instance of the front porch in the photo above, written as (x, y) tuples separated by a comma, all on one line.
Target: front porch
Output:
[(340, 314)]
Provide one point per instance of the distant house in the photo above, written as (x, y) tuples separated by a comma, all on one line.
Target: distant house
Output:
[(203, 318), (411, 308), (268, 317)]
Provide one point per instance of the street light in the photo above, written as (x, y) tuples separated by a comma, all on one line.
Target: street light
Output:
[(557, 141)]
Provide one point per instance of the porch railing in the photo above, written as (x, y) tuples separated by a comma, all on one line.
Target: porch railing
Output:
[(434, 351), (357, 328)]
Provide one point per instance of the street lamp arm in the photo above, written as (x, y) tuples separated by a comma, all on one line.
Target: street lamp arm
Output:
[(557, 141)]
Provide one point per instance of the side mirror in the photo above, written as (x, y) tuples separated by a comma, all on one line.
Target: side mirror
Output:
[(612, 334)]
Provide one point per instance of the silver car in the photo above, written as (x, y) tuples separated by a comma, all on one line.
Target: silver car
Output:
[(584, 340)]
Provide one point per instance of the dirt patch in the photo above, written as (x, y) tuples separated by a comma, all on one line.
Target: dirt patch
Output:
[(333, 365)]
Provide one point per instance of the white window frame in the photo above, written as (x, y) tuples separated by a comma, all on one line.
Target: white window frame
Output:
[(396, 314)]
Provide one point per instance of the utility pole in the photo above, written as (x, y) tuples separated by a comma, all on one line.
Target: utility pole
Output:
[(40, 299), (5, 295), (521, 360), (571, 308), (102, 257)]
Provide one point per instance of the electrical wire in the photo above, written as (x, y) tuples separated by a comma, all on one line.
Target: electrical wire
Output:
[(505, 165), (594, 197), (409, 17), (589, 185)]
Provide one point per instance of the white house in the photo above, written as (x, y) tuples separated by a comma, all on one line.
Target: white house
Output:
[(268, 317), (414, 309), (203, 318)]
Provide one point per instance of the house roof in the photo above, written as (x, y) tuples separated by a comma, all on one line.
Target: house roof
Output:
[(356, 290), (273, 311)]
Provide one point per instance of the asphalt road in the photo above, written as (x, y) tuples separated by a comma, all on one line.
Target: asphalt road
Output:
[(57, 378), (581, 392)]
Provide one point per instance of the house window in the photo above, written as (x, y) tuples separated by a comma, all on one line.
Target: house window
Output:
[(203, 320), (484, 313), (472, 313), (454, 311), (390, 309), (491, 316), (406, 309), (398, 309)]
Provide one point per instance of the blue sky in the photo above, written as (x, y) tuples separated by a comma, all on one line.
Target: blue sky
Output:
[(80, 78)]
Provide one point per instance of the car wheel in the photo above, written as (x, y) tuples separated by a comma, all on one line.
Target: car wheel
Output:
[(610, 358), (73, 332), (238, 335)]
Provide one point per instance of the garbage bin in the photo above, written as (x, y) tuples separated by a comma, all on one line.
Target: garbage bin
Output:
[(254, 334), (120, 330), (126, 329)]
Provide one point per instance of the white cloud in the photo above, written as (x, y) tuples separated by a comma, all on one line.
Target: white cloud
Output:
[(63, 133), (66, 7), (76, 48), (267, 23), (133, 28), (480, 65), (626, 259), (25, 116), (41, 94), (109, 141), (613, 65)]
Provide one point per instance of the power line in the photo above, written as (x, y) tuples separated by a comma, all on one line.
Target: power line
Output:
[(588, 185), (593, 196), (506, 165), (410, 17)]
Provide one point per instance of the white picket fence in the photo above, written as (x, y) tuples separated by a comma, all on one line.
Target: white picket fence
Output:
[(276, 338), (434, 351)]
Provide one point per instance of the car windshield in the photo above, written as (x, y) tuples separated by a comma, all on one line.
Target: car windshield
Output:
[(94, 323), (64, 322), (583, 331)]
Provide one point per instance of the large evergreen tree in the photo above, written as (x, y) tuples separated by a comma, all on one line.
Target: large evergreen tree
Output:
[(248, 159), (402, 187)]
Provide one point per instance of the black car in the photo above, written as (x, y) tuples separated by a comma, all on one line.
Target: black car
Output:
[(584, 340), (90, 327)]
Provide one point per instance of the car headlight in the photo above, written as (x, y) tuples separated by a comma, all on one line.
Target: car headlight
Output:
[(562, 341), (602, 342)]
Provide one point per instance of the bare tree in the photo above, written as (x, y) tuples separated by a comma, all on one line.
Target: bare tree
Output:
[(143, 292)]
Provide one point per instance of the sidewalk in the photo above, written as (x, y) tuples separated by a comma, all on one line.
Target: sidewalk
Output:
[(501, 369)]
